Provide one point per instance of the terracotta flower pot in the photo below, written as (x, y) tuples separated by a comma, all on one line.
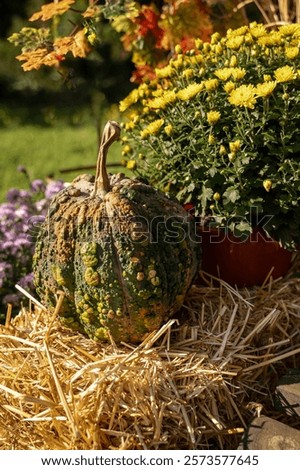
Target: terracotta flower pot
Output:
[(243, 262)]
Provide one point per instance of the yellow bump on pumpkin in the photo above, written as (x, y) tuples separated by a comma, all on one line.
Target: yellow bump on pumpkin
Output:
[(152, 273), (58, 276), (101, 333), (91, 277), (111, 314), (140, 276), (155, 281)]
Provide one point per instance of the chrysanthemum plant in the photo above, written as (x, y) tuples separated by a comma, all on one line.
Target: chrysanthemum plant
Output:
[(219, 128)]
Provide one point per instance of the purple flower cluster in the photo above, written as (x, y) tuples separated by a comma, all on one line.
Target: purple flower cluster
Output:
[(20, 215)]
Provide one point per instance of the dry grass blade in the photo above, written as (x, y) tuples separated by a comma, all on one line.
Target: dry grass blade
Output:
[(60, 392), (274, 12)]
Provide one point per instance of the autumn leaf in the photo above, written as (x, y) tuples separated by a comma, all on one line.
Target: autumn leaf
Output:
[(52, 9), (76, 44), (33, 60), (91, 11)]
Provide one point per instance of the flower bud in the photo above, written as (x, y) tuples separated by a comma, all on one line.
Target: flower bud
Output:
[(178, 49), (267, 184), (131, 165)]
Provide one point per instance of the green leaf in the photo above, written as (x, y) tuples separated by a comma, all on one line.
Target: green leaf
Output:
[(231, 194), (206, 194), (243, 227)]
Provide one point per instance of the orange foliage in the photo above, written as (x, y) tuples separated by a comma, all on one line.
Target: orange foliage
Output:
[(52, 9)]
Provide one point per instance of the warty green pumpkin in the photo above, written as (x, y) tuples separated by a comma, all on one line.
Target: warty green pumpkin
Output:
[(122, 252)]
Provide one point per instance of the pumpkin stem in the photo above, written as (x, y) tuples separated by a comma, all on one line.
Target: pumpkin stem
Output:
[(111, 133)]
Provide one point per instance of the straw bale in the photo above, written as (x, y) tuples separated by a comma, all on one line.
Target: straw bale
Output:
[(194, 384)]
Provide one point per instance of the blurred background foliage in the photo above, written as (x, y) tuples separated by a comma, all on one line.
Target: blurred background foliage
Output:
[(45, 96)]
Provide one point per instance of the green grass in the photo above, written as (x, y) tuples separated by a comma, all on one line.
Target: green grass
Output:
[(47, 150)]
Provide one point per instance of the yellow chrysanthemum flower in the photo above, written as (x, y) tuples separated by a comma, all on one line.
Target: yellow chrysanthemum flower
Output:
[(218, 49), (235, 146), (213, 117), (158, 92), (235, 72), (285, 74), (211, 139), (272, 39), (164, 72), (237, 32), (188, 73), (235, 42), (129, 125), (257, 30), (190, 91), (233, 61), (289, 29), (291, 52), (238, 74), (160, 102), (169, 129), (152, 128), (131, 164), (229, 86), (223, 74), (126, 149), (244, 95), (197, 59), (215, 38), (222, 150), (178, 49), (131, 99), (177, 63), (265, 89), (211, 84), (199, 44)]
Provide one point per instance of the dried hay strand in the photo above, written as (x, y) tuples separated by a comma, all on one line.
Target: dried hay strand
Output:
[(194, 384)]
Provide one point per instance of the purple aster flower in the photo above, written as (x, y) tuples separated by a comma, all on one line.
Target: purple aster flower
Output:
[(26, 281), (20, 217), (41, 205), (13, 195), (13, 299), (22, 169), (53, 188), (22, 212), (38, 186)]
